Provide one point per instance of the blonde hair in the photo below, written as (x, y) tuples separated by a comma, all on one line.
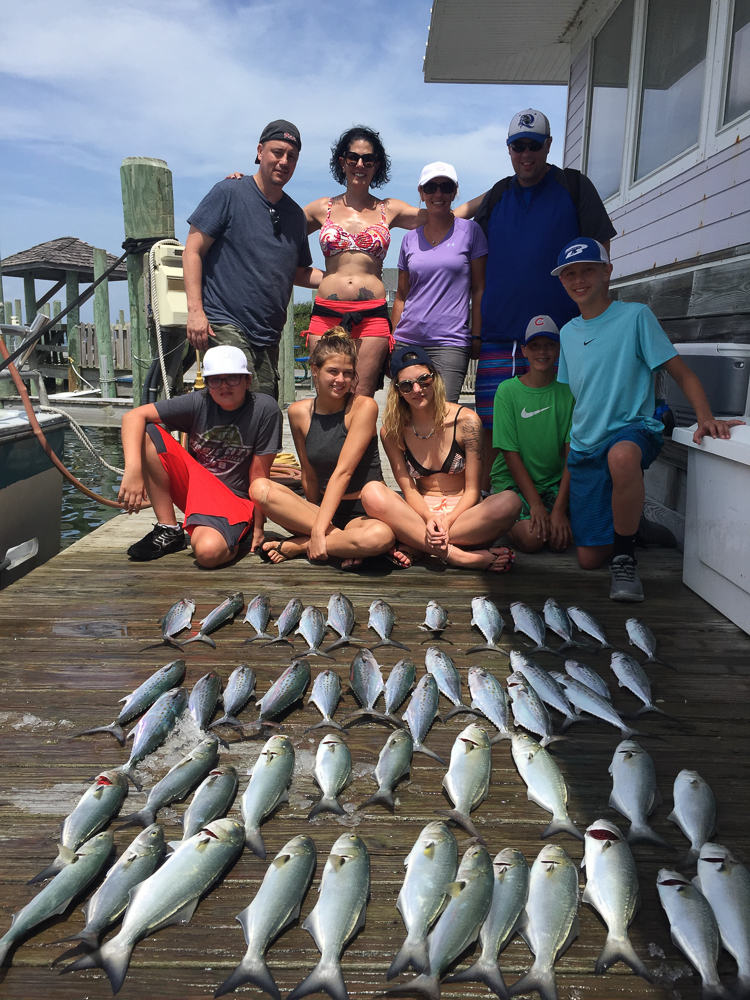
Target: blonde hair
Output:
[(397, 413), (334, 341)]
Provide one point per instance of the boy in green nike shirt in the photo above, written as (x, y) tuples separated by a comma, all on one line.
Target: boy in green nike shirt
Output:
[(531, 427)]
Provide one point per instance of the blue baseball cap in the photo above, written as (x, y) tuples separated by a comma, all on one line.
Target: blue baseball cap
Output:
[(407, 355), (581, 249), (542, 326)]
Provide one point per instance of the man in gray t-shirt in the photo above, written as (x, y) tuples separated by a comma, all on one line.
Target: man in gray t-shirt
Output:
[(246, 248)]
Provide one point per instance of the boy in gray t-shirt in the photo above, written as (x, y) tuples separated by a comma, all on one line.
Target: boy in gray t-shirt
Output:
[(233, 438)]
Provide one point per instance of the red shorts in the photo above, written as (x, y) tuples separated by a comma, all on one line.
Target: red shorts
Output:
[(202, 497), (368, 326)]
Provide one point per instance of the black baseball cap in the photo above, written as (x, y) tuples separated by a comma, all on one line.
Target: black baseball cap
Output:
[(280, 129), (410, 354)]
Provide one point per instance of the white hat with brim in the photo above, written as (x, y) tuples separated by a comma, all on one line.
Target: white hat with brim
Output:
[(224, 360), (438, 169)]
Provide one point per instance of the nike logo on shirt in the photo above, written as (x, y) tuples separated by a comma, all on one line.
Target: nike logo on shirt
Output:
[(525, 413), (589, 341)]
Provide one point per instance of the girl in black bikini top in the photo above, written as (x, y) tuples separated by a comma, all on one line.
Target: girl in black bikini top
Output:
[(455, 460)]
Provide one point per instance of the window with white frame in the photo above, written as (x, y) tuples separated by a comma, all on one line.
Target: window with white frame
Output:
[(738, 79)]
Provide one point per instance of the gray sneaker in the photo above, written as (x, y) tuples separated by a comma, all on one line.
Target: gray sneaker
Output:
[(626, 585)]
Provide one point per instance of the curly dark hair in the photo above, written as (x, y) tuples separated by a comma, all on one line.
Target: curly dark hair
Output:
[(383, 171)]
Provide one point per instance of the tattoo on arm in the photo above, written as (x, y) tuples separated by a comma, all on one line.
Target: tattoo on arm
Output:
[(473, 438)]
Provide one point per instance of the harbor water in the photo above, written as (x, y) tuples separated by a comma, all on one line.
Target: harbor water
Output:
[(80, 515)]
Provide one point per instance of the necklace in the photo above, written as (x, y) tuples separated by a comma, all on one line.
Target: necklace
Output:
[(437, 239), (423, 437)]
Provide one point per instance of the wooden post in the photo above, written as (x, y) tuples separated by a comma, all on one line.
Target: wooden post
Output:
[(286, 358), (121, 320), (8, 311), (73, 320), (29, 294), (148, 210), (17, 313), (103, 331)]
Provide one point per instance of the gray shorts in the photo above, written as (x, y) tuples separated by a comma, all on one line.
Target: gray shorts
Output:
[(452, 361), (263, 362)]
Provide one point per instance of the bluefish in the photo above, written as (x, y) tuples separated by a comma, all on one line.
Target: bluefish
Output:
[(220, 615), (333, 768), (634, 791), (212, 800), (544, 782), (269, 781), (468, 779), (393, 764), (382, 620), (726, 885), (283, 693), (694, 811), (178, 782)]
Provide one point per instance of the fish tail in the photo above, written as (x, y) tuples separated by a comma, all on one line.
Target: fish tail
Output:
[(254, 842), (127, 770), (500, 736), (621, 950), (383, 797), (540, 979), (715, 991), (552, 738), (644, 834), (331, 723), (568, 644), (653, 659), (543, 648), (51, 870), (166, 641), (116, 730), (325, 804), (488, 647), (414, 954), (253, 970), (4, 949), (113, 957), (425, 985), (261, 635), (390, 642), (276, 640), (483, 971), (384, 717), (354, 715), (652, 708), (326, 977), (457, 711), (421, 748), (312, 651), (690, 858), (88, 941), (226, 720), (463, 821), (569, 720), (143, 818), (562, 824), (201, 638), (345, 640)]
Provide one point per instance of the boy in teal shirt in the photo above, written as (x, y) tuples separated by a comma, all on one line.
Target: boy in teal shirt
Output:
[(531, 427)]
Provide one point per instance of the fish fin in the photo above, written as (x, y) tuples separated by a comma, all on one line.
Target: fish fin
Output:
[(89, 941), (312, 651), (201, 638), (326, 977), (654, 659), (457, 711), (421, 748), (690, 858), (260, 635), (113, 957), (143, 818), (128, 772), (277, 640), (537, 979), (652, 708), (570, 719), (51, 870), (500, 736), (226, 720), (562, 825), (117, 732), (423, 985), (390, 642), (331, 723), (345, 640), (250, 970), (383, 797), (463, 821), (413, 954), (183, 916), (254, 841), (487, 648), (485, 972), (646, 835), (174, 844), (326, 805)]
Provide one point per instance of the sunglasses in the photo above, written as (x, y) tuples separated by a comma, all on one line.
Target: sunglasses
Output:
[(446, 187), (275, 222), (216, 381), (521, 147), (407, 385), (368, 159)]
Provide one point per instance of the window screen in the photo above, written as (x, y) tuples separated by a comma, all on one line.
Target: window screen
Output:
[(738, 84)]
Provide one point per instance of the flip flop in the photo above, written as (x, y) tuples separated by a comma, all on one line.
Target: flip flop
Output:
[(497, 552), (274, 545)]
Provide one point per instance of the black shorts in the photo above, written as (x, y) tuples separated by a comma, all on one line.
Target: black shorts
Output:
[(346, 511)]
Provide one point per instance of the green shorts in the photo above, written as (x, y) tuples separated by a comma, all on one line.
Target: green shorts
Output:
[(263, 362), (548, 499)]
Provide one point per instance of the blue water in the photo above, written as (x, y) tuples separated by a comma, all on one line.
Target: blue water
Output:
[(80, 515)]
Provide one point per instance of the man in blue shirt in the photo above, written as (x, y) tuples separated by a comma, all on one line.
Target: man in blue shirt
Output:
[(608, 356)]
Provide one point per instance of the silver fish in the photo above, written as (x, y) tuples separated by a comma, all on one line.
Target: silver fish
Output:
[(169, 896), (693, 928), (443, 669), (631, 675), (528, 709), (137, 862), (178, 618), (634, 791), (585, 675), (470, 898), (546, 686), (212, 800), (178, 782), (420, 714), (585, 622), (393, 763), (382, 620), (220, 615), (431, 867), (154, 728), (337, 916), (204, 698), (325, 696), (258, 615), (612, 889), (509, 895), (694, 811), (366, 681), (96, 807), (275, 905), (142, 698), (342, 620), (284, 691), (71, 880), (585, 699), (400, 682), (489, 699), (489, 621), (333, 768), (237, 693), (544, 782), (640, 635), (550, 922), (726, 885), (269, 781), (526, 620), (558, 621), (287, 621), (468, 779), (435, 621), (312, 628)]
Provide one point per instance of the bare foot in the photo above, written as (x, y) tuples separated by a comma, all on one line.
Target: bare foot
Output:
[(279, 551), (494, 560)]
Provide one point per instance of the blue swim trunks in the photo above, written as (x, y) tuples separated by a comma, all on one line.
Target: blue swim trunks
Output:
[(591, 484)]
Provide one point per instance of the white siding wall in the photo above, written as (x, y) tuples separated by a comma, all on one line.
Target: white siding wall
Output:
[(577, 89)]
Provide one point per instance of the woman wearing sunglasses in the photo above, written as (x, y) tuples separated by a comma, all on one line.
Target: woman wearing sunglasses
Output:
[(440, 281), (354, 237), (335, 437), (435, 451)]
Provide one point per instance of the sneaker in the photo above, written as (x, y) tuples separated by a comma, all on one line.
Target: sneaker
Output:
[(160, 541), (626, 585)]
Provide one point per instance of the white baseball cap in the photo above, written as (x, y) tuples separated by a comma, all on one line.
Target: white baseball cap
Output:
[(438, 169), (224, 360), (529, 124), (542, 326)]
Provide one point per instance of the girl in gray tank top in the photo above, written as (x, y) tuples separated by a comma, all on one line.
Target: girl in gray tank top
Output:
[(336, 441)]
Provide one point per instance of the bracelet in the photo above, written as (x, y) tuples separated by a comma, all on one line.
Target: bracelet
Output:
[(475, 338)]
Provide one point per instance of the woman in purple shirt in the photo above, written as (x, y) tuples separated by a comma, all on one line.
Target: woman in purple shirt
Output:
[(440, 281)]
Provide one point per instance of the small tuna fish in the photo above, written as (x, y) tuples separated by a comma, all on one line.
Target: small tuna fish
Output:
[(640, 635), (528, 709), (420, 714), (366, 681), (142, 698), (585, 675), (545, 785), (269, 781), (325, 696), (584, 699), (443, 669), (631, 675), (634, 791), (436, 622), (558, 621), (287, 621), (489, 621), (393, 764), (468, 779), (213, 799), (333, 768), (220, 615), (694, 812), (174, 621), (283, 693), (341, 619), (312, 628), (382, 620), (154, 728), (400, 682), (237, 693), (726, 885), (258, 615), (204, 698), (546, 686), (585, 622)]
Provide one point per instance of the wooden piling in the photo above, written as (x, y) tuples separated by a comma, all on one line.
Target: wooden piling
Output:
[(148, 210), (29, 294), (17, 312), (286, 358), (8, 311), (103, 331), (73, 320)]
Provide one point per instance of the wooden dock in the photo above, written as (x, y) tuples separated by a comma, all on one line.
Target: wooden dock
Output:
[(72, 635)]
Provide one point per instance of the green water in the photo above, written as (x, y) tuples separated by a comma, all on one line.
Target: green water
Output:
[(80, 515)]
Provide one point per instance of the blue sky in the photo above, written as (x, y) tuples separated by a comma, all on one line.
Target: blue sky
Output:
[(193, 82)]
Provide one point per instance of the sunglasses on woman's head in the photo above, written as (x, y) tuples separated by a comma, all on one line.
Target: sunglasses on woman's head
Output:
[(521, 147), (446, 187), (407, 385), (368, 159)]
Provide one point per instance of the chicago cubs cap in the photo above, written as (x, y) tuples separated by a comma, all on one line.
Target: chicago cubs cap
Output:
[(529, 124), (581, 249), (224, 360), (542, 326), (438, 169), (281, 129), (410, 354)]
